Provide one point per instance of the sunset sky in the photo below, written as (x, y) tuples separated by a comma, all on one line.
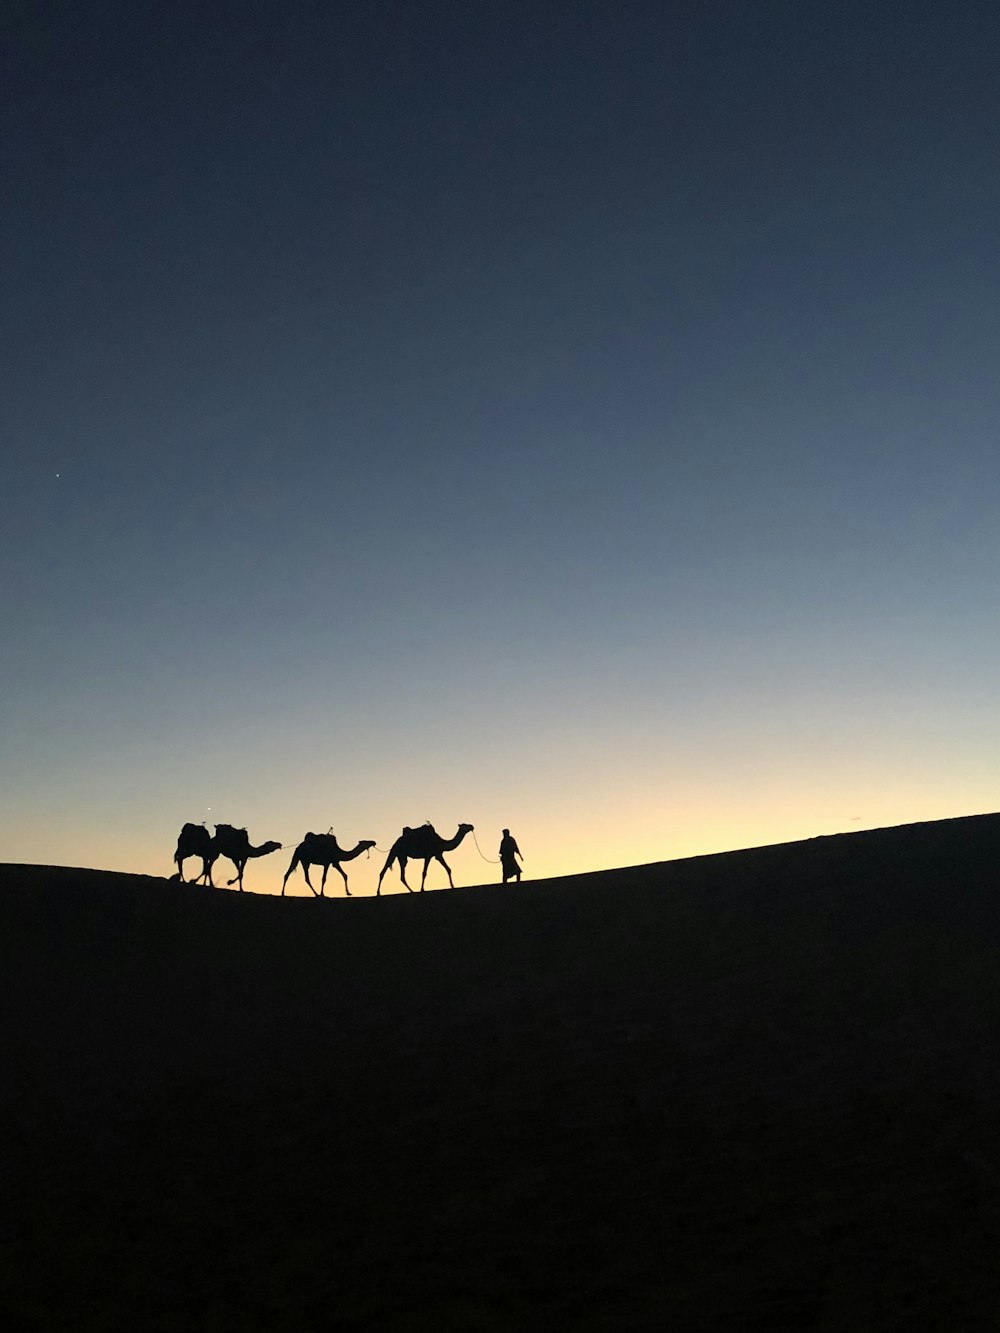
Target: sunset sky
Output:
[(577, 417)]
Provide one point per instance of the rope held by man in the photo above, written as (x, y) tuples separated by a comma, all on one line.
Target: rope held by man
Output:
[(479, 849)]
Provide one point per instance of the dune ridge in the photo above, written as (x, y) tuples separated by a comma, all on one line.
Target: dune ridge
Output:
[(755, 1089)]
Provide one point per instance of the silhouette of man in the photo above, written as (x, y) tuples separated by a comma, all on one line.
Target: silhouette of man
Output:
[(509, 852)]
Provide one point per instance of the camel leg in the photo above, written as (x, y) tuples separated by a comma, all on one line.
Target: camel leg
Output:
[(322, 883), (424, 875), (451, 882), (398, 859), (343, 876), (381, 876), (295, 862)]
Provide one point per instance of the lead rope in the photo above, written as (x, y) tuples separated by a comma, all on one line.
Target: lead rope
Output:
[(479, 849)]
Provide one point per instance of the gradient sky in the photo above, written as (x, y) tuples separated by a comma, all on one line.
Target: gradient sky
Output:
[(574, 416)]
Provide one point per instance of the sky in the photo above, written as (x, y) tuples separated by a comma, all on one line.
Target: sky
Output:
[(572, 417)]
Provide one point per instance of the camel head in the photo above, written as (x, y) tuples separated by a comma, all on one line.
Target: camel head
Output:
[(267, 847), (465, 828), (365, 844)]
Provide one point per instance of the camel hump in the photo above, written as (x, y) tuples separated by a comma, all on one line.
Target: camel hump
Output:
[(195, 836), (227, 831)]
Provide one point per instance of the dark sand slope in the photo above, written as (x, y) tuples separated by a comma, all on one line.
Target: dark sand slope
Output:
[(751, 1090)]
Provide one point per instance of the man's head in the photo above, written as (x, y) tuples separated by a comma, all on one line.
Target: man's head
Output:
[(506, 833)]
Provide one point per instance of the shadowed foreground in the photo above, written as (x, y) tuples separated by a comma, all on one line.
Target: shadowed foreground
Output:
[(750, 1090)]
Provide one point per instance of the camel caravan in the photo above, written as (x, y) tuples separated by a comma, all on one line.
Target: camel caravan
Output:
[(316, 849)]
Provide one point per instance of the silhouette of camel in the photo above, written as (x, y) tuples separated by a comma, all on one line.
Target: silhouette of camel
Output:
[(322, 849), (423, 843), (195, 840), (234, 844)]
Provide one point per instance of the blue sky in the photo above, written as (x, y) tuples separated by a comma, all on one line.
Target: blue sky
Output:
[(582, 414)]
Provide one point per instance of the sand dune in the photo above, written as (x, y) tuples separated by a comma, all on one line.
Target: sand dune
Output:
[(757, 1089)]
